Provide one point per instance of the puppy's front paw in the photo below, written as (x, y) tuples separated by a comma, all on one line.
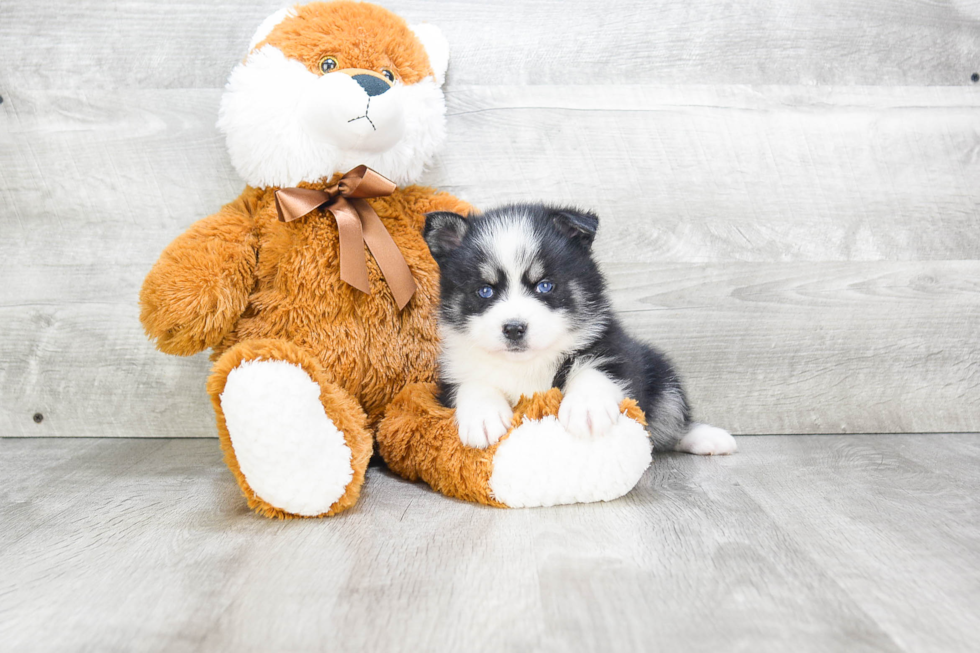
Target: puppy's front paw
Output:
[(586, 416), (484, 423)]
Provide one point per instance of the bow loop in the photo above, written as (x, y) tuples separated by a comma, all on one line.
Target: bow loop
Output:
[(363, 182), (357, 225)]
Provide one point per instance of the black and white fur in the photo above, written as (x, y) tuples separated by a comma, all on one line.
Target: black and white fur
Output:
[(524, 309)]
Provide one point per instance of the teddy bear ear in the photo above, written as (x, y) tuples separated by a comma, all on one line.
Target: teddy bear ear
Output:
[(436, 46), (269, 24)]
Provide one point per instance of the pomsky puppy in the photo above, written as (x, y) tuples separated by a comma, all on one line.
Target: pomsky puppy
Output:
[(524, 309)]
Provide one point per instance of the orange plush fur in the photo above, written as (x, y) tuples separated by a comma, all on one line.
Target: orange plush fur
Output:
[(379, 40), (242, 277), (251, 287)]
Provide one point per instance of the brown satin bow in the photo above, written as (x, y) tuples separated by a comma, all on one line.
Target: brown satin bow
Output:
[(358, 225)]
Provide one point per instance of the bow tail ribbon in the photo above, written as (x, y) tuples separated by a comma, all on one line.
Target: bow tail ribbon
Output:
[(357, 224), (386, 253), (360, 225)]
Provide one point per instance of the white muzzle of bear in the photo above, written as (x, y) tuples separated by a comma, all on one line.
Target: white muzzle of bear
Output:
[(339, 111)]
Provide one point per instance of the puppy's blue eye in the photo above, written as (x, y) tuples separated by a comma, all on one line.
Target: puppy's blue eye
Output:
[(486, 292), (545, 287)]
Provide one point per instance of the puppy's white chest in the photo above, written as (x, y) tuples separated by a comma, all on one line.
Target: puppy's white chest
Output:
[(524, 380), (512, 378)]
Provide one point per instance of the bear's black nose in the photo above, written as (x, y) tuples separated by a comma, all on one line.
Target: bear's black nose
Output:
[(515, 330), (372, 85)]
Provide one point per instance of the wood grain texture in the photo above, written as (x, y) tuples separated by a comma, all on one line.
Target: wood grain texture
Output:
[(733, 173), (846, 347), (87, 44), (894, 506), (863, 543), (816, 347), (808, 256)]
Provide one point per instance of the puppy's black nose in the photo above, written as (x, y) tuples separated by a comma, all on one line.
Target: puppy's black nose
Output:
[(515, 330), (372, 85)]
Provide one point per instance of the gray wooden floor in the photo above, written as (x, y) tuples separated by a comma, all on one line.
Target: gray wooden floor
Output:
[(804, 543)]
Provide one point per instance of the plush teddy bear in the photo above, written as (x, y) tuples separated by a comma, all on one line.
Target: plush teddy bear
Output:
[(317, 293), (305, 361)]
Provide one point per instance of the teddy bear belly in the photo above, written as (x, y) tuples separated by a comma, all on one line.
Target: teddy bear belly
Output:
[(366, 348)]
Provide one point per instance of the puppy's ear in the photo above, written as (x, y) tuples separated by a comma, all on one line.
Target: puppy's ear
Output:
[(444, 231), (579, 226)]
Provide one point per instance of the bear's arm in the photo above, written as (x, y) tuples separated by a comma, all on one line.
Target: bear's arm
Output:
[(427, 200), (199, 287)]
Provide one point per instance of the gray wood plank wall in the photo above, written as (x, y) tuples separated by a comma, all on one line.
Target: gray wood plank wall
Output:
[(790, 193)]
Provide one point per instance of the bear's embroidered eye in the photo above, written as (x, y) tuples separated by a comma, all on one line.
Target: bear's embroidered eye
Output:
[(486, 292), (327, 64), (544, 287), (390, 76)]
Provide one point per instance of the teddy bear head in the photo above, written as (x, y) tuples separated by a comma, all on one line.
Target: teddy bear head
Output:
[(328, 86)]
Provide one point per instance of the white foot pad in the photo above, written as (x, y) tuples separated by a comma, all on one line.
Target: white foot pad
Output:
[(706, 440), (541, 464), (290, 452)]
